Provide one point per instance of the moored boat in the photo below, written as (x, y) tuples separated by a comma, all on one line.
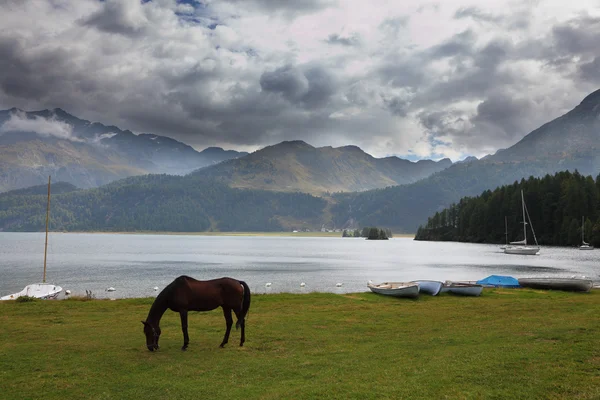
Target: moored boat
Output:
[(584, 244), (520, 247), (39, 290), (429, 287), (566, 284), (462, 288), (522, 250), (395, 289), (44, 291)]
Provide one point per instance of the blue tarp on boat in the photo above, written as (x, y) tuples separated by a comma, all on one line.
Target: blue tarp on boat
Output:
[(500, 281)]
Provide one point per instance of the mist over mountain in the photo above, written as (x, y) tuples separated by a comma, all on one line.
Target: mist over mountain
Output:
[(87, 154), (298, 166)]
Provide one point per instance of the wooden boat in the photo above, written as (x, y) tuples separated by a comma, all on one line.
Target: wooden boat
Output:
[(429, 287), (395, 289), (521, 247), (566, 284), (584, 245), (462, 288), (39, 290)]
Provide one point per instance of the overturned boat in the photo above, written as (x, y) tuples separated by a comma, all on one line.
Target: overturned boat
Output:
[(500, 281), (430, 287), (395, 289), (565, 284)]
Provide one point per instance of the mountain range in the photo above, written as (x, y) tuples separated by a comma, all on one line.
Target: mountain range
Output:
[(297, 166), (87, 154), (569, 142)]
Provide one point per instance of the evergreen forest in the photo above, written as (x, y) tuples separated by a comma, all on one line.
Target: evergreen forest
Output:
[(156, 203), (556, 205)]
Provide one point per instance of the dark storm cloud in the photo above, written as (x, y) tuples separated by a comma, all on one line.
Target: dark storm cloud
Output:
[(289, 7), (477, 14), (120, 17), (350, 41), (310, 86)]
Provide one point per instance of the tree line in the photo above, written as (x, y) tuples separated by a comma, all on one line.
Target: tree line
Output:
[(556, 205), (156, 203), (372, 233)]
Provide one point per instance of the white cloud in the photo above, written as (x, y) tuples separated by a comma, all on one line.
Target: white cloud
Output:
[(45, 127)]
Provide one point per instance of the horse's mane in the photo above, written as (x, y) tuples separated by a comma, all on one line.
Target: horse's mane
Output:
[(160, 303)]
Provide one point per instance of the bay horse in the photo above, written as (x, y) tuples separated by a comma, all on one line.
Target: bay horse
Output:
[(188, 294)]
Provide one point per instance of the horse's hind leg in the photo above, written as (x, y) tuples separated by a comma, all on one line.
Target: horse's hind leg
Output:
[(184, 327), (242, 323), (229, 322)]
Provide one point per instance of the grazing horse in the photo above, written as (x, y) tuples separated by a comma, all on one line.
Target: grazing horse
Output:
[(188, 294)]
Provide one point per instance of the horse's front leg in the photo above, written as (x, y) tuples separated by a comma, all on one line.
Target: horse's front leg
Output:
[(229, 322), (184, 327)]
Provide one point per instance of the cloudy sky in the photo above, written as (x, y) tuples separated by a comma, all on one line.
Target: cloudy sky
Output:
[(417, 79)]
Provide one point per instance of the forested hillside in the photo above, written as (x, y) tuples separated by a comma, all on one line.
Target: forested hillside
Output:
[(556, 205), (158, 203)]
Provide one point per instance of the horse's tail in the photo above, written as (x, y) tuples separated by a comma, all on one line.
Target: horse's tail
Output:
[(245, 303)]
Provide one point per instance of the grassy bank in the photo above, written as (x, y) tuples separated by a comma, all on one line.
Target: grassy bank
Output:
[(506, 344)]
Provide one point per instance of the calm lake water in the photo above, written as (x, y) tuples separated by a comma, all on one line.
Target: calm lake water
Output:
[(135, 264)]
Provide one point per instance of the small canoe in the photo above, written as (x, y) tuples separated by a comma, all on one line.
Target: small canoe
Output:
[(429, 287), (462, 288), (395, 289), (38, 290), (566, 284)]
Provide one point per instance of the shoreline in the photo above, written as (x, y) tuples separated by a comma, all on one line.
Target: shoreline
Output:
[(266, 234)]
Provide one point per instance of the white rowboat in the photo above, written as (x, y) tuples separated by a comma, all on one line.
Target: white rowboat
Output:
[(395, 289), (430, 287)]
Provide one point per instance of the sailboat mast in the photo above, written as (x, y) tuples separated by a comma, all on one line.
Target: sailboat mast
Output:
[(47, 217), (506, 230), (524, 221), (582, 228)]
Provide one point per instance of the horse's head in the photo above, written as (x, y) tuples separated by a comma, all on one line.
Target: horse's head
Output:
[(152, 335)]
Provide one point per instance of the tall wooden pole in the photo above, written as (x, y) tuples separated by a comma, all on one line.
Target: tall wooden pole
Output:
[(47, 216)]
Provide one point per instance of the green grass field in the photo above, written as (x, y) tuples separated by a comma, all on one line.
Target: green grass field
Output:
[(506, 344)]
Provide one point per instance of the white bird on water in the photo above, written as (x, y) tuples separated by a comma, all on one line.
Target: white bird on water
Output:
[(268, 284), (338, 284), (110, 289), (67, 292), (155, 288), (302, 284)]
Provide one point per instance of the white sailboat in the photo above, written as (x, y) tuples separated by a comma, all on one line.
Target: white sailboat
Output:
[(520, 247), (39, 290), (505, 234), (584, 245)]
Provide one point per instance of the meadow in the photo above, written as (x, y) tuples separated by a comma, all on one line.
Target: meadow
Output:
[(518, 344)]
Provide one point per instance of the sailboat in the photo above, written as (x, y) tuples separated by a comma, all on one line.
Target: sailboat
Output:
[(39, 290), (505, 234), (584, 245), (520, 247)]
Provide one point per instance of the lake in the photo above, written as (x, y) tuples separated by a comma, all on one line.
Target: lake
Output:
[(134, 264)]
